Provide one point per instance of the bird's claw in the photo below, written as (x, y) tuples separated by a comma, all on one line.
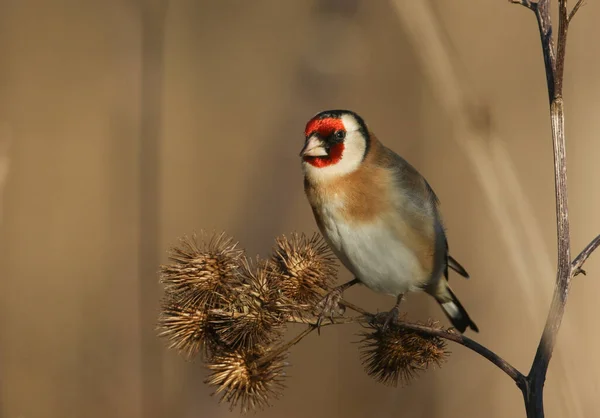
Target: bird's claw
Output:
[(329, 306), (392, 318), (385, 319)]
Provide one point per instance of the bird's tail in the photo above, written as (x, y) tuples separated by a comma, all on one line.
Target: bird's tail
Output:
[(453, 309)]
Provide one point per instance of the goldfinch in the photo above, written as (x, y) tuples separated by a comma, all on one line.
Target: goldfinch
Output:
[(378, 214)]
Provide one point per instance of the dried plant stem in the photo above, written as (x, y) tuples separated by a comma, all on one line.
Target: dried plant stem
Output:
[(473, 345), (577, 264), (554, 60), (285, 347), (506, 367), (461, 339), (367, 317), (534, 391)]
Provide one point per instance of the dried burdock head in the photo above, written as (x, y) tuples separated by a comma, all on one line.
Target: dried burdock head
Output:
[(187, 328), (258, 314), (243, 379), (202, 273), (398, 353), (304, 267)]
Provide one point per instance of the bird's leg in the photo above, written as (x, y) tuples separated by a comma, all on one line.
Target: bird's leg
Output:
[(331, 302), (392, 315)]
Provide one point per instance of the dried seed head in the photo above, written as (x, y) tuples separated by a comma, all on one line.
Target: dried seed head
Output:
[(399, 353), (242, 379), (258, 314), (304, 267), (204, 273), (186, 328), (259, 284)]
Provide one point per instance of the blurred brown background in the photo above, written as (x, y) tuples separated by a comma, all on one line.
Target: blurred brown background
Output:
[(126, 124)]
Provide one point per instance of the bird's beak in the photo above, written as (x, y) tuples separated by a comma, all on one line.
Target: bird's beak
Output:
[(313, 148)]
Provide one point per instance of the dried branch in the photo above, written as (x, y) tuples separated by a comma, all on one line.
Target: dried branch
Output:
[(554, 61), (461, 339), (576, 266), (527, 3), (285, 347), (367, 318), (575, 10)]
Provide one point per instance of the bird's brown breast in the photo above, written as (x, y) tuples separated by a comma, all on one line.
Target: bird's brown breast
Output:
[(358, 197)]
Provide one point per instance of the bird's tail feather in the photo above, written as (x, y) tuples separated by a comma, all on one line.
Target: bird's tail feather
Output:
[(455, 265), (454, 310)]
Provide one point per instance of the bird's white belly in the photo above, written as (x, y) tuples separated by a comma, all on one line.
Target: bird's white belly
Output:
[(375, 255)]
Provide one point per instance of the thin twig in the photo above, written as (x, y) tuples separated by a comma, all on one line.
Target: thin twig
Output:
[(527, 3), (510, 370), (337, 320), (473, 345), (286, 346), (367, 318), (577, 264), (575, 10)]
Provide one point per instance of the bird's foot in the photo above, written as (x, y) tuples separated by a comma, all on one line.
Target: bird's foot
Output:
[(388, 318), (391, 317), (329, 306)]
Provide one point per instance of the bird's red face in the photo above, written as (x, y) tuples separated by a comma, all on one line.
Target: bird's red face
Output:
[(324, 144), (336, 143)]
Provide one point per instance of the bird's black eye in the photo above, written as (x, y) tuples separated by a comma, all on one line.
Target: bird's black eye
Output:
[(339, 134)]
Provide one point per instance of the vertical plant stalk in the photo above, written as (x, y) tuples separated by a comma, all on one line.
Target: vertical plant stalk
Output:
[(554, 63), (475, 134), (537, 374)]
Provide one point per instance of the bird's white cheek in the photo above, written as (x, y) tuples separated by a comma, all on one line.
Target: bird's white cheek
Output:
[(329, 172)]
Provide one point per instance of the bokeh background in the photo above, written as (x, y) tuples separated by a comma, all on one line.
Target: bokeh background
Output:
[(126, 124)]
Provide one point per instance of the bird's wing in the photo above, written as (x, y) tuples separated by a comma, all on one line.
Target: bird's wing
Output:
[(423, 205)]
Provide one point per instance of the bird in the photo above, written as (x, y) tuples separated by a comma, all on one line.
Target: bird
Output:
[(379, 216)]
